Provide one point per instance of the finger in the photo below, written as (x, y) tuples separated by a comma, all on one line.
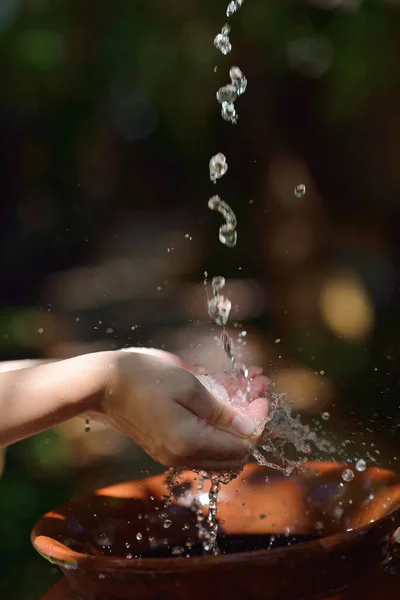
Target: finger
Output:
[(259, 410), (220, 445), (199, 443)]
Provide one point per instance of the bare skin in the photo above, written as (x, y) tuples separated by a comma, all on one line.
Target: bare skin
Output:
[(149, 395)]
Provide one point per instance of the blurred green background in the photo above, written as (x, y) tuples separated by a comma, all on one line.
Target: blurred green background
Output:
[(108, 119)]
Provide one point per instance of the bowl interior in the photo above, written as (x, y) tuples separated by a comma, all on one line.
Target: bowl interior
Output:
[(259, 510)]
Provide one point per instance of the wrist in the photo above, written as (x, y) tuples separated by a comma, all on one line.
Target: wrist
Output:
[(98, 383)]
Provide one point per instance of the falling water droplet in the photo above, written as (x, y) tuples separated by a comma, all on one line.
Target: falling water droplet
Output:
[(233, 7), (227, 232), (219, 309), (348, 475), (139, 536), (361, 465), (218, 166), (87, 425), (239, 81), (167, 523), (300, 190), (227, 94), (222, 42), (228, 113), (325, 416)]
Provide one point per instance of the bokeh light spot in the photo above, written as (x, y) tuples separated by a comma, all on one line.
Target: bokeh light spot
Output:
[(346, 307)]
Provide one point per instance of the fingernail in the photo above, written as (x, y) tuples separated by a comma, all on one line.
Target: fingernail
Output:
[(243, 425)]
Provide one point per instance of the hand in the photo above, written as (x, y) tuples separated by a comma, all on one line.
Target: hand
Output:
[(180, 417)]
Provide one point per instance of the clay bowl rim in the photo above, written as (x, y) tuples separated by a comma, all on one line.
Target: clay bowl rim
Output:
[(59, 554)]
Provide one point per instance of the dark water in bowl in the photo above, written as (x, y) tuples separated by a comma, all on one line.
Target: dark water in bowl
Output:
[(231, 544)]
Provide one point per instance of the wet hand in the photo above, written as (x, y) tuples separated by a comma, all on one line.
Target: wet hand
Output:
[(180, 417)]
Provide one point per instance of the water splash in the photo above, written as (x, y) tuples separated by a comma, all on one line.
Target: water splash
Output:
[(285, 435), (197, 508), (170, 484), (212, 514)]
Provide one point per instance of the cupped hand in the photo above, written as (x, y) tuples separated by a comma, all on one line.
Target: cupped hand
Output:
[(181, 417)]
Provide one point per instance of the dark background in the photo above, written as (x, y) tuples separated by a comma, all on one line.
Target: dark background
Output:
[(108, 119)]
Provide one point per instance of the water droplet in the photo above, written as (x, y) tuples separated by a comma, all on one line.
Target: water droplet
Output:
[(218, 284), (239, 81), (167, 523), (139, 536), (361, 465), (277, 341), (228, 113), (223, 44), (127, 545), (218, 166), (226, 29), (348, 475), (325, 416), (233, 7), (227, 232), (219, 309), (227, 95), (300, 190), (87, 425)]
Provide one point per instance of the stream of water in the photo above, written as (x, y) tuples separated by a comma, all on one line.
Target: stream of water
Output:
[(284, 435)]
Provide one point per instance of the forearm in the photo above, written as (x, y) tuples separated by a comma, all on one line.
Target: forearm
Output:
[(38, 397), (16, 365)]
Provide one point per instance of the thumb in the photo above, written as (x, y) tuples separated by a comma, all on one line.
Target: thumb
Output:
[(210, 401)]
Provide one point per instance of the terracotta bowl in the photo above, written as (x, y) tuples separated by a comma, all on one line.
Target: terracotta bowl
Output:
[(305, 536)]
